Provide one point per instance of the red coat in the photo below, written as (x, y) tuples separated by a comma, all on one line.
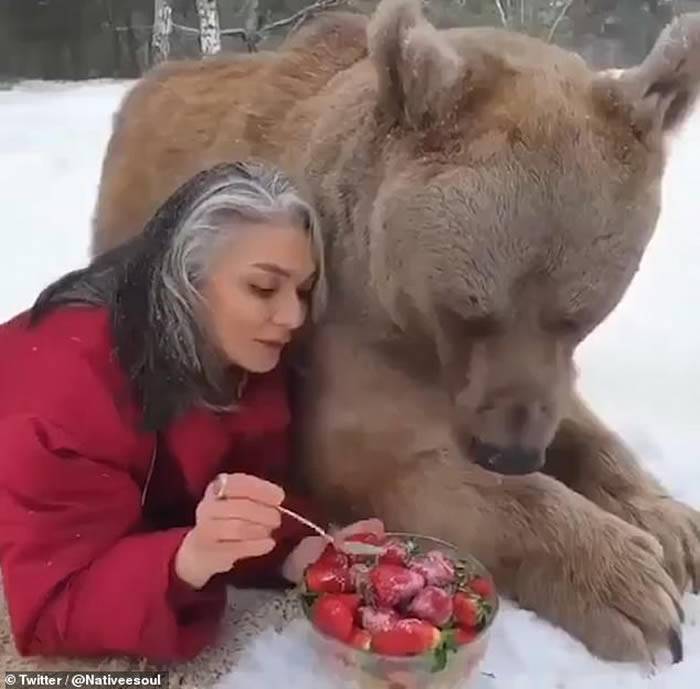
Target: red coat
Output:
[(87, 569)]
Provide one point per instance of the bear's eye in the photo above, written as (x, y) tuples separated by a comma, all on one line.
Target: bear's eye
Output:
[(566, 326), (460, 326), (481, 326)]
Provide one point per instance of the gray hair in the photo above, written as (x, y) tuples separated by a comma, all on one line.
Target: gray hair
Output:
[(263, 194), (152, 284)]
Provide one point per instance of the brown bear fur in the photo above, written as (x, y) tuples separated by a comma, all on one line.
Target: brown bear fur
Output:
[(486, 199)]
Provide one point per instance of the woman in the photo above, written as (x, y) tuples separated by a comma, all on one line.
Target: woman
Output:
[(144, 425)]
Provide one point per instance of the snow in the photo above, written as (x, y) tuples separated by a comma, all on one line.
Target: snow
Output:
[(640, 369)]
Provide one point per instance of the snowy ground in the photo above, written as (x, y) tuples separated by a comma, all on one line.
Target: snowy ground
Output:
[(641, 369)]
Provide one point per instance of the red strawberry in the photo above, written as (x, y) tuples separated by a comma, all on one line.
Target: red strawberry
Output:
[(372, 538), (331, 556), (350, 600), (324, 578), (332, 617), (374, 620), (464, 636), (435, 567), (395, 553), (468, 612), (393, 584), (482, 587), (407, 637), (360, 638), (433, 605)]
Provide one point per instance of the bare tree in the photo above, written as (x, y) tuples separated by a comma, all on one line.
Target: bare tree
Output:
[(252, 34), (251, 22), (162, 28), (209, 28), (501, 12), (566, 6)]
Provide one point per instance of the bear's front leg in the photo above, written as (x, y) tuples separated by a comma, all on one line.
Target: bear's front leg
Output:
[(592, 460), (375, 443), (551, 550)]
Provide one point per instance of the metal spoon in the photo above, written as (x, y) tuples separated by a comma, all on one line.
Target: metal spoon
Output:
[(349, 547)]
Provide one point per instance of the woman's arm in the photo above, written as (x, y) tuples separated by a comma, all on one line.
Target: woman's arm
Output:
[(81, 576)]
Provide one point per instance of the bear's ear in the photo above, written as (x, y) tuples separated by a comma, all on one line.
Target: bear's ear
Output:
[(416, 68), (659, 93)]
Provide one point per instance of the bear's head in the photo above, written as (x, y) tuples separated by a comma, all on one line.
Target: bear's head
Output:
[(519, 192)]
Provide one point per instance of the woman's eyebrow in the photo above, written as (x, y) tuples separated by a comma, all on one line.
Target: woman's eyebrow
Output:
[(272, 268), (277, 270)]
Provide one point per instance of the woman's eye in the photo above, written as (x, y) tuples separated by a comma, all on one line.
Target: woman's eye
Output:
[(265, 292)]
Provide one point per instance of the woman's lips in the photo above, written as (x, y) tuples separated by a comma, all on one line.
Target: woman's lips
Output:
[(273, 344)]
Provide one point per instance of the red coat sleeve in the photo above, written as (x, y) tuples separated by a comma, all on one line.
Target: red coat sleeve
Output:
[(80, 575)]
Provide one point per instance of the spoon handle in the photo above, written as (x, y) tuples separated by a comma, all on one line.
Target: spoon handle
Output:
[(349, 547), (306, 522)]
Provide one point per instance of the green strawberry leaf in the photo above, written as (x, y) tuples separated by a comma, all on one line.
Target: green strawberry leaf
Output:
[(440, 658), (411, 547), (307, 601), (447, 645)]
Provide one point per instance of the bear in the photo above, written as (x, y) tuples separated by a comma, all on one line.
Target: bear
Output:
[(486, 200)]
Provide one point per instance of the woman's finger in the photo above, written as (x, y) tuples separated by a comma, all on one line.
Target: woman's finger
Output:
[(252, 548), (225, 555), (236, 530), (246, 510), (226, 486)]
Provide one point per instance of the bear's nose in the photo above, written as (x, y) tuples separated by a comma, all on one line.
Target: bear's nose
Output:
[(512, 460)]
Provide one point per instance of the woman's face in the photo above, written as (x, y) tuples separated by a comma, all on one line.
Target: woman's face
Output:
[(257, 293)]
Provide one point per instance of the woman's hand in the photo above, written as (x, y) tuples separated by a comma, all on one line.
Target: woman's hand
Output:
[(311, 547), (234, 521)]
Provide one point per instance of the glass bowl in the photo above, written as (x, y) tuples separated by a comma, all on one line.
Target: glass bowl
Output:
[(369, 670)]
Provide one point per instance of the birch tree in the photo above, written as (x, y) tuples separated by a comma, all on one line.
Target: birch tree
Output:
[(209, 28), (162, 28)]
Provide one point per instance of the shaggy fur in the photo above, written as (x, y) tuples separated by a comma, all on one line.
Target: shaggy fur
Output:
[(486, 201)]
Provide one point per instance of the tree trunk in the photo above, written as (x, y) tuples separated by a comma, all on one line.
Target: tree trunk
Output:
[(162, 28), (209, 29)]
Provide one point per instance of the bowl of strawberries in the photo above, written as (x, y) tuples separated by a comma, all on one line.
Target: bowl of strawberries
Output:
[(401, 611)]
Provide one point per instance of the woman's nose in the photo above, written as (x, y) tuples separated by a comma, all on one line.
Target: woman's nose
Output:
[(291, 312)]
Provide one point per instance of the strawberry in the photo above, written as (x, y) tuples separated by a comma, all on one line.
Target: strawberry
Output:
[(374, 620), (482, 587), (435, 567), (468, 611), (333, 557), (395, 553), (370, 537), (332, 617), (407, 637), (360, 638), (433, 605), (393, 584), (351, 601), (464, 636), (324, 578)]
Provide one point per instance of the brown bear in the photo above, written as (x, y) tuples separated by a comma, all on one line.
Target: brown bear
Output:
[(486, 200)]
